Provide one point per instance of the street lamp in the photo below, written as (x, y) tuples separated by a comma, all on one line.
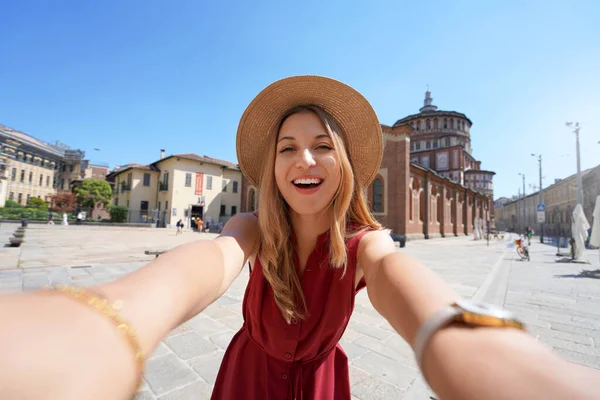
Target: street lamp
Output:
[(524, 215), (539, 156), (579, 183)]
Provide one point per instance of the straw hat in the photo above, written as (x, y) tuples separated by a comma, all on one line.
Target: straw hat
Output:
[(352, 112)]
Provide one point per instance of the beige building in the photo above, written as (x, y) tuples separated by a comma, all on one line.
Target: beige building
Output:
[(560, 200), (37, 169), (180, 186)]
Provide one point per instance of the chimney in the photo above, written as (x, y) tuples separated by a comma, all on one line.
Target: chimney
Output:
[(162, 153)]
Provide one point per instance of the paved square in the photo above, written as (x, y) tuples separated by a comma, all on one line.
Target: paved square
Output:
[(559, 305)]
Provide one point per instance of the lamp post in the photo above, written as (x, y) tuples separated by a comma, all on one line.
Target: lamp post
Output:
[(539, 156), (524, 214), (579, 183)]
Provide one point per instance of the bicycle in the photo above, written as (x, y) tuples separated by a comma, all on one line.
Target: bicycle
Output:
[(522, 249)]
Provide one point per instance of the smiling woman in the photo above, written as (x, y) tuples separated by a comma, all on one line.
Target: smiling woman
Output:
[(312, 146)]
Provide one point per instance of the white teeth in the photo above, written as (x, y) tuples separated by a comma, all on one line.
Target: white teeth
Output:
[(308, 181)]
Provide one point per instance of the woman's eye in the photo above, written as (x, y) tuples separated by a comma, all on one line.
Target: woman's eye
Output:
[(285, 149), (323, 147)]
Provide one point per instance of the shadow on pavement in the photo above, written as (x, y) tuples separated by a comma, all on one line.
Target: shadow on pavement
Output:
[(594, 274)]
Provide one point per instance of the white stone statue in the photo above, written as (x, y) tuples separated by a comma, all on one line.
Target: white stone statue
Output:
[(481, 228), (579, 227), (65, 220), (595, 238)]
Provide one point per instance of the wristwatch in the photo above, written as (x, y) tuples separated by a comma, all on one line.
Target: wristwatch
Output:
[(469, 313)]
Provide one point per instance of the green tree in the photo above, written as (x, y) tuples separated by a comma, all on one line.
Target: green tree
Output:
[(92, 192), (34, 202)]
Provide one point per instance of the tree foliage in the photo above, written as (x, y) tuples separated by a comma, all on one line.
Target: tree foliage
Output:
[(63, 202), (92, 192), (34, 202)]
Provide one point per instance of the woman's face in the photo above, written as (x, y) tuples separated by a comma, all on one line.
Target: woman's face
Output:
[(307, 168)]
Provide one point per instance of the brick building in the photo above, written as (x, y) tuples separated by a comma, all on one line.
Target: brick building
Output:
[(424, 190)]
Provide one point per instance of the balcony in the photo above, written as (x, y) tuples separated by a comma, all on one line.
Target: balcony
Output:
[(163, 186), (125, 187)]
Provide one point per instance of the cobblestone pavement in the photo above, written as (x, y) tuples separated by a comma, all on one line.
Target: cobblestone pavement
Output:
[(559, 305)]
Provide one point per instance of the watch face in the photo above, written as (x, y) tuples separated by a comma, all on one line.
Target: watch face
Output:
[(485, 309)]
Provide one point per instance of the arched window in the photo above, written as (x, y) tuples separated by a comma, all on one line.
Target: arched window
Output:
[(378, 195), (445, 123), (428, 124)]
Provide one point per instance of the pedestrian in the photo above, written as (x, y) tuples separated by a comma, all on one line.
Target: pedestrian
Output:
[(79, 218), (65, 219), (529, 234), (199, 224), (179, 227), (50, 218), (311, 247)]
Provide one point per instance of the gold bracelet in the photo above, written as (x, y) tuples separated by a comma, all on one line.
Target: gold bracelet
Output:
[(103, 306)]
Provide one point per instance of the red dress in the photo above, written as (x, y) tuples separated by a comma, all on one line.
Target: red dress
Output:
[(269, 359)]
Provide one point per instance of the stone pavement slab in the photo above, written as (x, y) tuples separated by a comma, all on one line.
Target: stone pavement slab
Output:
[(557, 303)]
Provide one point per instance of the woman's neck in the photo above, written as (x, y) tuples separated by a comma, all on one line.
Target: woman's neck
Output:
[(307, 228)]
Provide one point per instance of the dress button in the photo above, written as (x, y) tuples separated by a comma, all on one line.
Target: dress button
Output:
[(283, 376), (288, 355)]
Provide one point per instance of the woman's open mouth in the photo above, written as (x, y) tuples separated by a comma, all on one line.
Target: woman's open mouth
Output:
[(307, 185)]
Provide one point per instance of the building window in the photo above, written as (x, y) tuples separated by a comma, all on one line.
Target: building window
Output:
[(146, 179), (235, 187), (233, 209), (30, 177), (28, 197), (222, 211), (127, 203), (117, 201), (224, 186), (445, 123), (47, 181), (20, 198), (418, 145), (70, 168), (13, 174), (428, 124), (64, 168), (41, 179), (188, 179), (11, 196), (209, 182), (412, 146), (435, 144), (447, 142), (378, 195), (22, 175), (428, 145)]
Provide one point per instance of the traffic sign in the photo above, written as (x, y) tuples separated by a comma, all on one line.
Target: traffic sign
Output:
[(541, 207), (541, 217)]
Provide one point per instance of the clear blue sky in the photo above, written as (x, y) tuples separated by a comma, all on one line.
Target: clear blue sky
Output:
[(136, 76)]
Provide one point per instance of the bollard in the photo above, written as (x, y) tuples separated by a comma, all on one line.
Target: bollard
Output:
[(24, 223)]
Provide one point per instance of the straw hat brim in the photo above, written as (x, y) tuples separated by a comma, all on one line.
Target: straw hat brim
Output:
[(354, 115)]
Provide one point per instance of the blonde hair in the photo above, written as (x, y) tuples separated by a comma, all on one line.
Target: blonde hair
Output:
[(276, 252)]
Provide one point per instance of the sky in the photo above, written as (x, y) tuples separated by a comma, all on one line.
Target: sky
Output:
[(133, 77)]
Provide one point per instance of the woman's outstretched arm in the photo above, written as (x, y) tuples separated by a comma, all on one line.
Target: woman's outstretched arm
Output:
[(462, 363), (53, 347)]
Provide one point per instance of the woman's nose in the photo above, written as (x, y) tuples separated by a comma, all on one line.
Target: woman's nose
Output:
[(306, 159)]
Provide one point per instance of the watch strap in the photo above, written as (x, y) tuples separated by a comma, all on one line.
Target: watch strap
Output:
[(434, 323)]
